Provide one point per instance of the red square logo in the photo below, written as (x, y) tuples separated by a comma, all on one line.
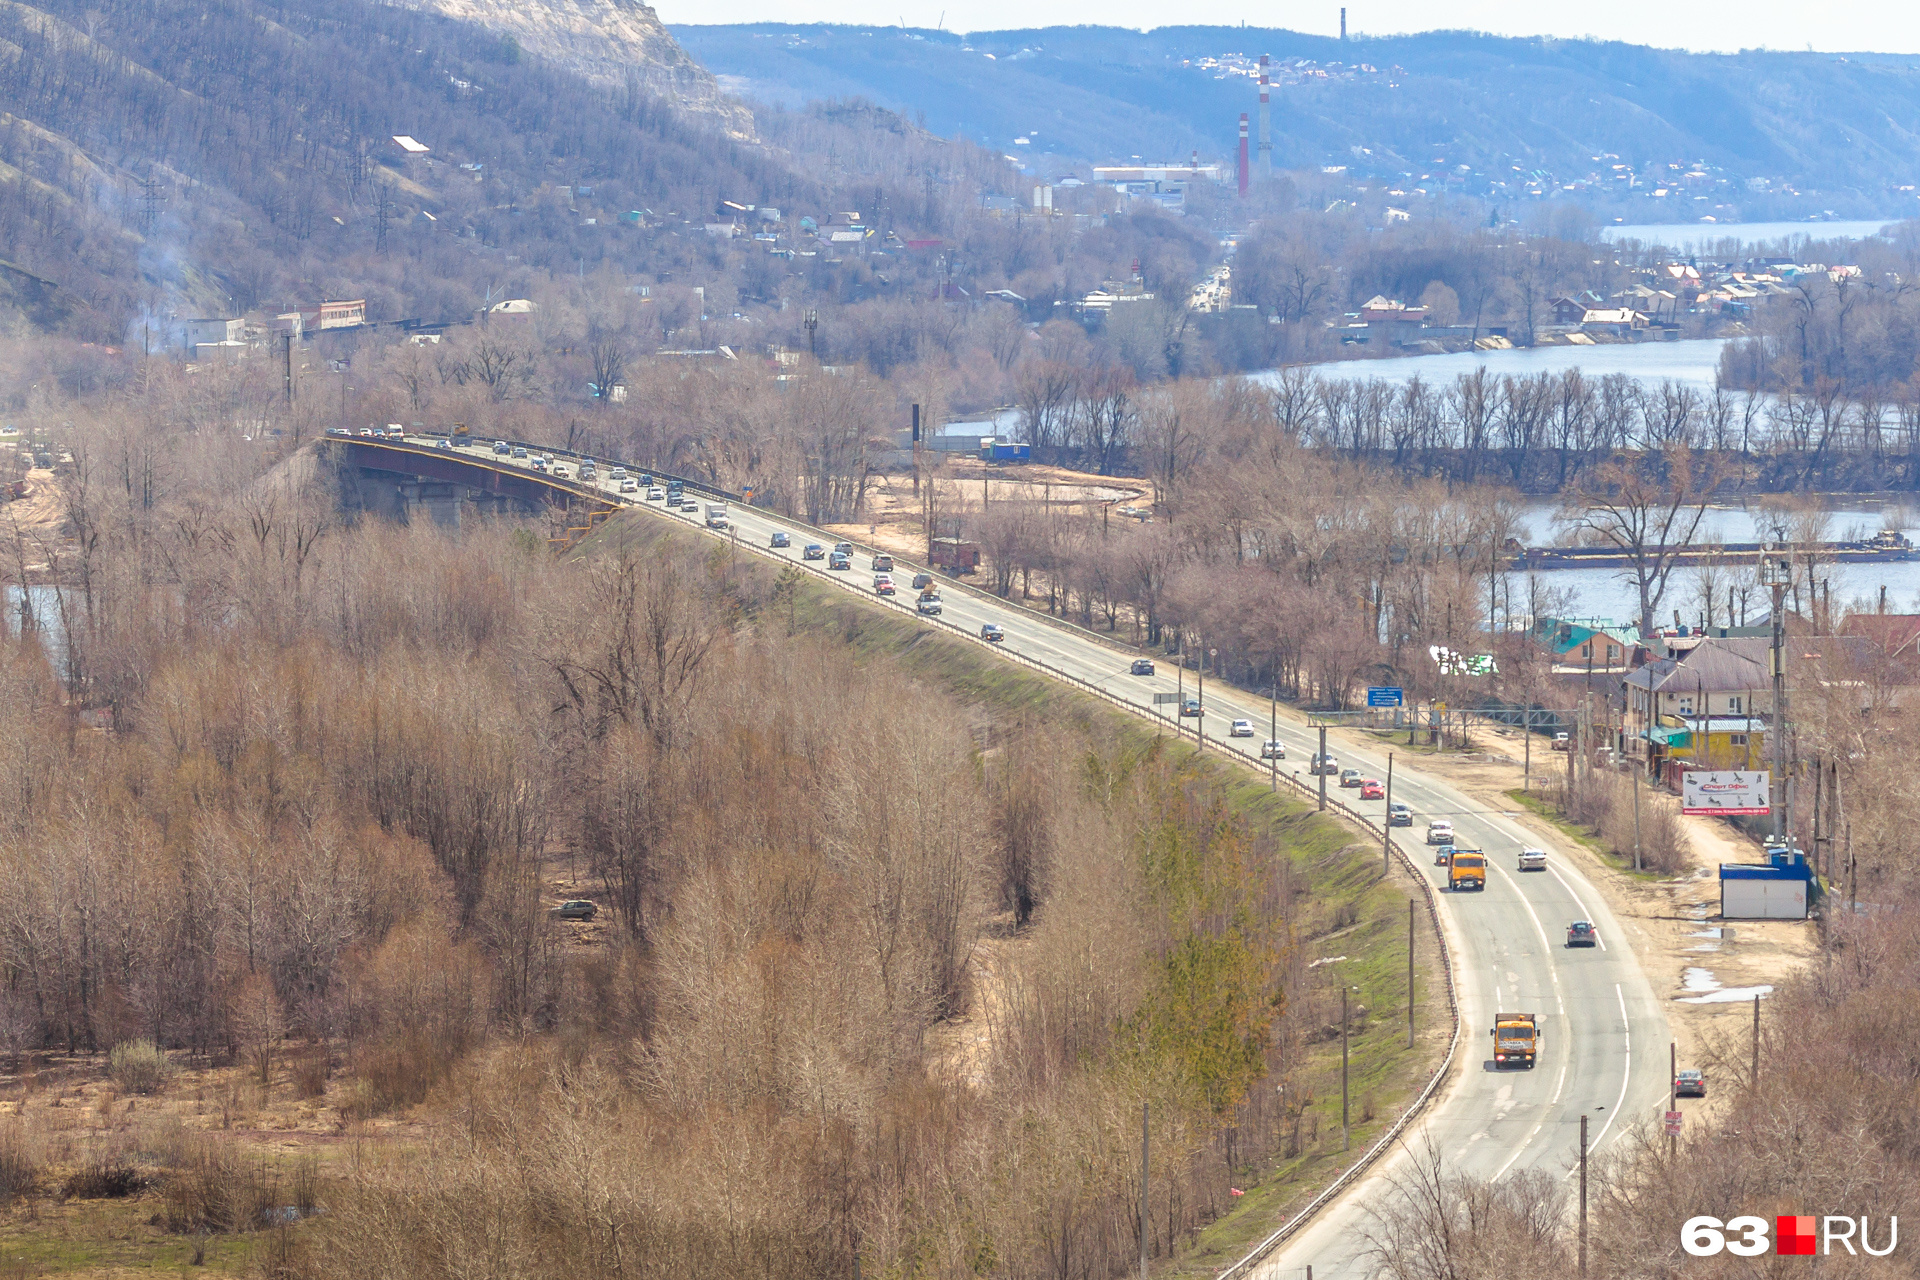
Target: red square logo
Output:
[(1793, 1235)]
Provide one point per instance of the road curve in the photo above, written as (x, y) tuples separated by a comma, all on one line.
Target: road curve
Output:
[(1605, 1029)]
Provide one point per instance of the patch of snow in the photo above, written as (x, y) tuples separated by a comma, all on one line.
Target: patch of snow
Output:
[(1728, 995)]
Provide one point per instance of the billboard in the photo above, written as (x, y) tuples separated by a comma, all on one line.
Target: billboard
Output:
[(1726, 792)]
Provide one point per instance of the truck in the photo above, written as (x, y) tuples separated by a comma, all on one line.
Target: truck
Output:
[(1516, 1040), (716, 515), (1467, 869), (953, 555)]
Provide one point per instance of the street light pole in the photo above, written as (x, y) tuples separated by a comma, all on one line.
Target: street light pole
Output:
[(1345, 1140), (1777, 575)]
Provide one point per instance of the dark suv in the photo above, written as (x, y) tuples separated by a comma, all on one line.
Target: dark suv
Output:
[(1143, 666)]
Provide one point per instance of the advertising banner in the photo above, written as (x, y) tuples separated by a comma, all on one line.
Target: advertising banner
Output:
[(1726, 792)]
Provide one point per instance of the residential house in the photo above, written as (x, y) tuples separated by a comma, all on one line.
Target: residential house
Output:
[(1708, 705), (211, 331), (1620, 322), (1573, 308), (1582, 645)]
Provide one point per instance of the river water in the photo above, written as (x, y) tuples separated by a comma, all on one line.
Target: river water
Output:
[(1693, 360), (1692, 237)]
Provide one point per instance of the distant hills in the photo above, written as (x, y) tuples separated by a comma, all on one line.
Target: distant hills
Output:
[(1784, 132)]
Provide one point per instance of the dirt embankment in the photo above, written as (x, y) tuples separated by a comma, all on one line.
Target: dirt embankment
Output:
[(32, 525)]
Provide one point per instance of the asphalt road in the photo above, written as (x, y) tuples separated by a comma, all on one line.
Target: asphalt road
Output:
[(1605, 1030)]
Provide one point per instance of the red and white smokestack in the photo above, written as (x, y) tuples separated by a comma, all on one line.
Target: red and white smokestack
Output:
[(1266, 128), (1243, 153)]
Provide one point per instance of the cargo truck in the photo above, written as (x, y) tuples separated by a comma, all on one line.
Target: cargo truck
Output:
[(716, 515), (1516, 1039), (1466, 869)]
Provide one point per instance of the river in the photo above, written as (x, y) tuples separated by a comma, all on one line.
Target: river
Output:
[(1692, 237), (1692, 360)]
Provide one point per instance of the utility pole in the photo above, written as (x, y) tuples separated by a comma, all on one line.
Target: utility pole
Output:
[(811, 323), (289, 362), (1636, 823), (1320, 767), (1409, 973), (1526, 765), (1273, 736), (1143, 1190), (1777, 575), (1673, 1065), (1386, 826), (1756, 1042), (1346, 1142), (1583, 1195)]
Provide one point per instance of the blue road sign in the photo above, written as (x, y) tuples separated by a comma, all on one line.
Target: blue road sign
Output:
[(1384, 696)]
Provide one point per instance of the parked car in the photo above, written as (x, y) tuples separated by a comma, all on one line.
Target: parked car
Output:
[(991, 632), (1273, 749), (813, 551), (1581, 933), (1533, 860), (1440, 831), (1142, 666), (1398, 815), (1327, 764), (781, 538), (1350, 778), (1562, 743), (1690, 1084), (574, 909), (1240, 729), (1373, 789)]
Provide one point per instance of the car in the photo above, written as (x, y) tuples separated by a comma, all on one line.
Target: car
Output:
[(646, 478), (618, 473), (1327, 764), (519, 451), (781, 538), (1561, 742), (991, 632), (922, 580), (558, 469), (1440, 831), (1581, 933), (882, 563), (629, 485), (443, 444), (1273, 749), (1533, 860), (1443, 855), (1350, 778), (501, 446), (587, 472), (575, 909), (929, 605), (1398, 815), (1373, 789), (396, 432), (366, 431), (1689, 1084), (1240, 729), (656, 494), (690, 507), (538, 464), (844, 548), (1142, 666), (813, 551), (838, 561), (338, 431), (883, 586), (1192, 707)]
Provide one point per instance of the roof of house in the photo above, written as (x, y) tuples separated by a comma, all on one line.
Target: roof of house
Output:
[(1894, 634)]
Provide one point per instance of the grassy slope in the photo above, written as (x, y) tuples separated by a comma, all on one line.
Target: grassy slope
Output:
[(1383, 1073)]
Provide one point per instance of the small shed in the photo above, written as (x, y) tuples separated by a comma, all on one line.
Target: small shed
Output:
[(1781, 888)]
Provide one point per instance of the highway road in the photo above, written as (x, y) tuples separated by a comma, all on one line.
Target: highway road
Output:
[(1605, 1029)]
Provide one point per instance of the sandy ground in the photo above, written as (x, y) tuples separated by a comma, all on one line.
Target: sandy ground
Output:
[(38, 517), (894, 509), (1673, 924)]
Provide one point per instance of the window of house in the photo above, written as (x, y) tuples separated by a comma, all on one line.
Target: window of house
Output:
[(1733, 706), (1737, 739), (1686, 706)]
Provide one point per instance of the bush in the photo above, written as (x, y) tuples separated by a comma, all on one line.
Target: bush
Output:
[(108, 1173), (138, 1066), (215, 1189), (19, 1162)]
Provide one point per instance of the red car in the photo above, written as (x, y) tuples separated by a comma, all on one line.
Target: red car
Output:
[(1372, 790)]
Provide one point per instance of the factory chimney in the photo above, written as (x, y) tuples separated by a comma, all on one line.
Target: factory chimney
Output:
[(1266, 128), (1343, 24), (1243, 153)]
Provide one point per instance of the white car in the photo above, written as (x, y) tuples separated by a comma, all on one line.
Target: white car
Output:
[(656, 494), (1533, 860), (1440, 832), (629, 485), (1273, 749), (1240, 729)]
